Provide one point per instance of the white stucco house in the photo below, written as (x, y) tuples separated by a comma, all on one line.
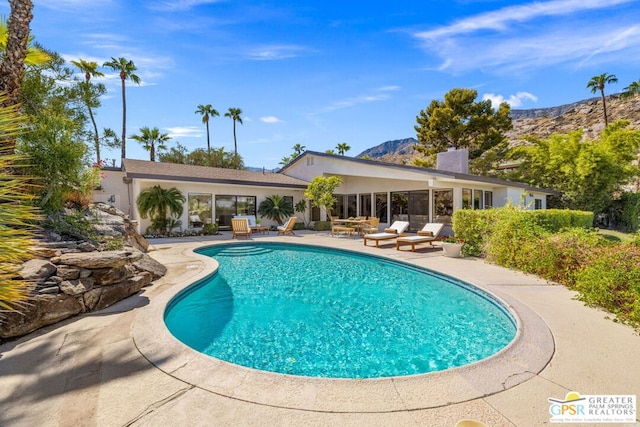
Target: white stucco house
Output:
[(369, 188)]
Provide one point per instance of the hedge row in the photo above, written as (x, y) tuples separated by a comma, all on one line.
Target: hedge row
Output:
[(605, 274), (474, 225)]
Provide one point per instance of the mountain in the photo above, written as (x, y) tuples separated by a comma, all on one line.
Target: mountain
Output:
[(539, 122)]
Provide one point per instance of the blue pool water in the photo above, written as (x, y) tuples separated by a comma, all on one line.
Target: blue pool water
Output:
[(320, 312)]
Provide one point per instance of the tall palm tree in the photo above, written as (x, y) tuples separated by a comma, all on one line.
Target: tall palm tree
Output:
[(14, 43), (235, 114), (597, 83), (632, 90), (342, 148), (90, 69), (126, 68), (159, 204), (298, 149), (152, 139), (207, 111), (12, 66)]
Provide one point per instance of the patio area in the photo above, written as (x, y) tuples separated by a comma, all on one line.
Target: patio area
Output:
[(120, 367)]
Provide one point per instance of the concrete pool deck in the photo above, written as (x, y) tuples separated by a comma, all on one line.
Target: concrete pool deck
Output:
[(97, 369)]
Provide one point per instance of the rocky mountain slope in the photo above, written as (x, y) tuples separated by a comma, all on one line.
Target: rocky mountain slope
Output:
[(540, 122)]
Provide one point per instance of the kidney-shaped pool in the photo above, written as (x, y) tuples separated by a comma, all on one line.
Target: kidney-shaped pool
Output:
[(320, 312)]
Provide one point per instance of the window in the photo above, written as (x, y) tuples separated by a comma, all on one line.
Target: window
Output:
[(477, 199), (228, 206), (418, 209), (338, 208), (442, 206), (309, 161), (199, 209), (381, 207), (365, 205), (400, 206), (466, 198), (488, 199), (352, 205), (537, 203), (289, 200)]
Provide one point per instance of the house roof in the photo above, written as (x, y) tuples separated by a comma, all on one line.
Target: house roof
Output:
[(179, 172), (426, 171)]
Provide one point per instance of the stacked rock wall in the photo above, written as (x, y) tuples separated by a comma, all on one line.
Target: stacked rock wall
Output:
[(72, 277)]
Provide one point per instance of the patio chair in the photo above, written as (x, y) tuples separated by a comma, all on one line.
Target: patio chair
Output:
[(287, 228), (240, 227), (337, 227), (393, 232), (371, 226)]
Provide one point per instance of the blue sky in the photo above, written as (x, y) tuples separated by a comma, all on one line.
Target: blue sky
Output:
[(326, 72)]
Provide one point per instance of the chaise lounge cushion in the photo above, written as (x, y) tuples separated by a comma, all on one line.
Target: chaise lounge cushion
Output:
[(398, 227)]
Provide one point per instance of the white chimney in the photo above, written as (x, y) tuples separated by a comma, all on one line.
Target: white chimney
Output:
[(453, 161)]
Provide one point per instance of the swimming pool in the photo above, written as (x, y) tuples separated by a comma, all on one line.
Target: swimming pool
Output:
[(321, 312)]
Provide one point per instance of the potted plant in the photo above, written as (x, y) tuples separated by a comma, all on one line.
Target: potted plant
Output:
[(452, 247)]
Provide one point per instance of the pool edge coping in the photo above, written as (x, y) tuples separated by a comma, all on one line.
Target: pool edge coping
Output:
[(526, 356)]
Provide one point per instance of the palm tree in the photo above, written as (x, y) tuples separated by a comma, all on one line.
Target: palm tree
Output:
[(207, 111), (12, 66), (632, 90), (299, 149), (597, 83), (90, 69), (126, 69), (276, 208), (152, 139), (342, 148), (234, 113), (14, 43), (160, 204)]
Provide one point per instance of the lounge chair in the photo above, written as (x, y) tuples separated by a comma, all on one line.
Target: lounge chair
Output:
[(287, 228), (393, 232), (428, 234), (240, 227)]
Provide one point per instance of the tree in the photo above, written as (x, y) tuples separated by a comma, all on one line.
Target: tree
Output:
[(461, 122), (320, 192), (14, 42), (330, 151), (12, 65), (586, 172), (126, 68), (632, 90), (177, 154), (235, 115), (275, 208), (151, 139), (342, 148), (598, 83), (207, 111), (90, 69), (297, 150), (160, 205)]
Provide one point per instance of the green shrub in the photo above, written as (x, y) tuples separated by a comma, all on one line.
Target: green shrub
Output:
[(630, 215), (210, 229), (612, 281)]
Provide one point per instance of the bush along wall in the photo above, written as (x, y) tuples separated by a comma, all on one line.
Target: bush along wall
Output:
[(606, 274)]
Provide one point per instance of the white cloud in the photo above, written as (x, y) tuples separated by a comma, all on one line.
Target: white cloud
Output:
[(500, 19), (270, 119), (378, 94), (536, 35), (513, 100), (179, 5), (184, 132), (274, 52)]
